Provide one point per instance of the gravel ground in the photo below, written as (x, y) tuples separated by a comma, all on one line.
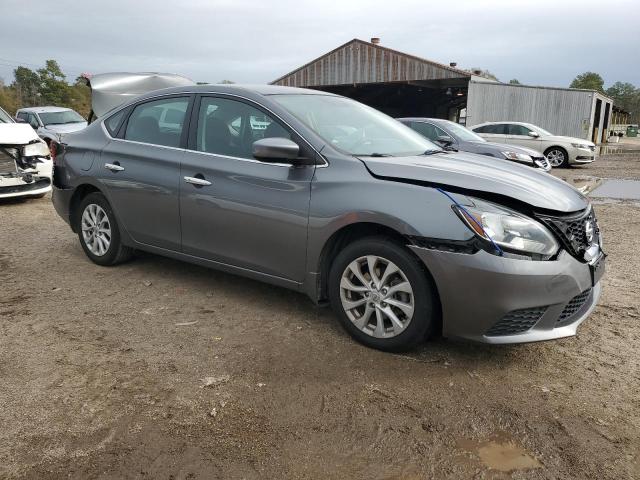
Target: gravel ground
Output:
[(164, 370)]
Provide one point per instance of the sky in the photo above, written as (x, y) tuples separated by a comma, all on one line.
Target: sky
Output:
[(542, 42)]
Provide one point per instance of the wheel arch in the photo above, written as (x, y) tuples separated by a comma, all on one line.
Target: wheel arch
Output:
[(79, 193)]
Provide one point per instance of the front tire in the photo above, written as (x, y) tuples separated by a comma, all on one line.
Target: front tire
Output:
[(382, 294), (557, 157), (98, 231)]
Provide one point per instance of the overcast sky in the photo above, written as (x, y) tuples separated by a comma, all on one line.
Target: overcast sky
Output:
[(543, 42)]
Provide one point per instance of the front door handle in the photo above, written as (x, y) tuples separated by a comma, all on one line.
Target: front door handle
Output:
[(114, 167), (199, 182)]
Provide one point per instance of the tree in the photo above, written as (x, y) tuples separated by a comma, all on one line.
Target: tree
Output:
[(53, 87), (588, 81), (626, 96), (27, 84), (514, 81)]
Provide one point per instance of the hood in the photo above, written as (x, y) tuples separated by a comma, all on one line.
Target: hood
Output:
[(17, 134), (66, 128), (109, 90), (560, 138), (507, 147), (483, 174)]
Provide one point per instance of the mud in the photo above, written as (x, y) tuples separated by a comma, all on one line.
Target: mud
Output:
[(159, 369)]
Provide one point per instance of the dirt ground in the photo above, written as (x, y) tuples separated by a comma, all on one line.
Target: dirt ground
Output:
[(158, 369)]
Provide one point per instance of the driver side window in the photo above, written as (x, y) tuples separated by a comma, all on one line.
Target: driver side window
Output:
[(229, 127), (427, 130)]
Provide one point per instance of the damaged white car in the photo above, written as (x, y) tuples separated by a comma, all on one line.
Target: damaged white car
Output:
[(25, 162)]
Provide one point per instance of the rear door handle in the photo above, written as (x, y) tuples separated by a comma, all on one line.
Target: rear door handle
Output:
[(113, 167), (200, 182)]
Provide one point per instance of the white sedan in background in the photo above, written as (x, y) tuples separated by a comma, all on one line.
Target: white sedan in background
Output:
[(560, 151), (25, 164)]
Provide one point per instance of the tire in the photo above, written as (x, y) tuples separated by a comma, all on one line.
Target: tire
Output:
[(100, 251), (392, 336), (557, 157)]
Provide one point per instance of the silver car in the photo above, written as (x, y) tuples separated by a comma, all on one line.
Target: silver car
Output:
[(50, 123), (323, 195)]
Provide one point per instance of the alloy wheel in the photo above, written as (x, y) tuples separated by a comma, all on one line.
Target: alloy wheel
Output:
[(377, 296), (555, 157), (96, 229)]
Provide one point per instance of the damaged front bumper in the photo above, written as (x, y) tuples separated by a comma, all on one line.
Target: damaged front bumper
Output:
[(20, 182)]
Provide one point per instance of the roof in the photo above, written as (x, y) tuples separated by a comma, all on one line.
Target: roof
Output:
[(358, 61), (43, 109)]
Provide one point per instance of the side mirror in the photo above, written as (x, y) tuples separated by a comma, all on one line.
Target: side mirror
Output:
[(445, 140), (276, 149), (533, 134)]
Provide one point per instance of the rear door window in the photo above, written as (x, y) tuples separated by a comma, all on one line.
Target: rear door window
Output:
[(159, 122)]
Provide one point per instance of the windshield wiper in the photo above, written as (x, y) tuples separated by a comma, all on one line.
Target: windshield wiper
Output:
[(375, 154), (431, 152)]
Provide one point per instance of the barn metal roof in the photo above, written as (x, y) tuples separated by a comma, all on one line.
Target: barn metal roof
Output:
[(360, 62)]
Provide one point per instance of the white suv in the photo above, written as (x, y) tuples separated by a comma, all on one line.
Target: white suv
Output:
[(560, 151)]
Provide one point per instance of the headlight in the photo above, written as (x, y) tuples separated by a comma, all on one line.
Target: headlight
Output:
[(581, 145), (516, 156), (36, 149), (507, 228)]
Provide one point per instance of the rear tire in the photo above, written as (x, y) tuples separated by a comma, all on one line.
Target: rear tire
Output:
[(98, 231), (382, 312), (557, 157)]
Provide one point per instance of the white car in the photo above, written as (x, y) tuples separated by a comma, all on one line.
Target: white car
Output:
[(560, 151), (25, 165), (51, 122)]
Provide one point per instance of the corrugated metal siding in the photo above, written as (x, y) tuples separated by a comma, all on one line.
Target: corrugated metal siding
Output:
[(562, 112), (360, 62)]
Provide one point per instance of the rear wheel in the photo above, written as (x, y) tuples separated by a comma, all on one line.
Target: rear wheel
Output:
[(382, 294), (557, 157), (98, 231)]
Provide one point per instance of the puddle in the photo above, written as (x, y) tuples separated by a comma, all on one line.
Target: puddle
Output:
[(501, 453), (621, 189)]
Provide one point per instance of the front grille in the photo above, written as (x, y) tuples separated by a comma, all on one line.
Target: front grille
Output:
[(574, 305), (7, 163), (517, 321), (572, 231)]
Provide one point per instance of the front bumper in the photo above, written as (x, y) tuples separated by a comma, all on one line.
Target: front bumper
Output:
[(16, 186), (491, 299), (582, 155)]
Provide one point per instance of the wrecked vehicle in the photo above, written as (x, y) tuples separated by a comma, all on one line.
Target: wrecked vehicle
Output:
[(25, 163), (321, 194)]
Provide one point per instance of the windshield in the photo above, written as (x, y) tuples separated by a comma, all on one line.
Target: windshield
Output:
[(355, 128), (541, 131), (60, 118), (463, 133), (5, 117)]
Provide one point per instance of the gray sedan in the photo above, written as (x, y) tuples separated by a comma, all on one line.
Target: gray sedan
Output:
[(453, 136), (323, 195)]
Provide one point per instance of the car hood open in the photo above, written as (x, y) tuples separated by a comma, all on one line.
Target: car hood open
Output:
[(482, 174), (109, 90)]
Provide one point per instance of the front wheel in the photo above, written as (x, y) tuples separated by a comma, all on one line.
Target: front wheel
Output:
[(98, 231), (382, 295), (557, 157)]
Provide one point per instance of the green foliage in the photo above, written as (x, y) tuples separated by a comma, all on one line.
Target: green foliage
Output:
[(514, 81), (626, 96), (45, 86), (588, 81)]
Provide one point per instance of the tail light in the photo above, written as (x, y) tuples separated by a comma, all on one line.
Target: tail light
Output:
[(53, 150)]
